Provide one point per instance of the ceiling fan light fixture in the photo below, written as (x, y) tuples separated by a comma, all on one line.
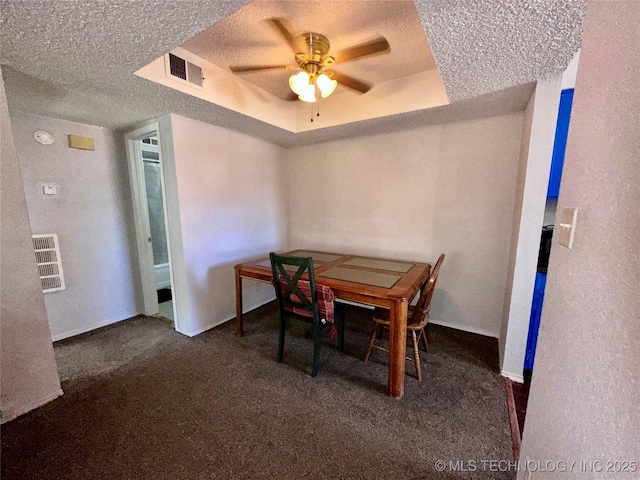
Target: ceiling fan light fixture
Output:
[(299, 82), (326, 85), (308, 96), (302, 86)]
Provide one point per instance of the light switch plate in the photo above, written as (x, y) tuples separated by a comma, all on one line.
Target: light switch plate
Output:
[(567, 226)]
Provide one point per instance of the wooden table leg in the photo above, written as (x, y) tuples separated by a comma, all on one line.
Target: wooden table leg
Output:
[(240, 330), (397, 348)]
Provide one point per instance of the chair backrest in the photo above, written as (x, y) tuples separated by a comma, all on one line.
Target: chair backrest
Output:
[(286, 283), (421, 310)]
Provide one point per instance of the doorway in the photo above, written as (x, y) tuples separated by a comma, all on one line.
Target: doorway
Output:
[(149, 201), (152, 169)]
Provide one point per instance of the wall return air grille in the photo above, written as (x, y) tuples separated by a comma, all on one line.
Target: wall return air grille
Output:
[(47, 251)]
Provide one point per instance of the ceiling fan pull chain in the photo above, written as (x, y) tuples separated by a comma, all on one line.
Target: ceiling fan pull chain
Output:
[(316, 104)]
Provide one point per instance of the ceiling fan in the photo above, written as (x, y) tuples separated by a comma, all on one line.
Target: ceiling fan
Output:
[(314, 62)]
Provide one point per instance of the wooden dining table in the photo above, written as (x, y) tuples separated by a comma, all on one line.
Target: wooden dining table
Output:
[(380, 282)]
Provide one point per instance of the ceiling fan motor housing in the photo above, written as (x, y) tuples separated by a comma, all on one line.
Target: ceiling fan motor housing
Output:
[(312, 58)]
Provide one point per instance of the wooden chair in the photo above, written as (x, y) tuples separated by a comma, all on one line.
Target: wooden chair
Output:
[(302, 300), (417, 321)]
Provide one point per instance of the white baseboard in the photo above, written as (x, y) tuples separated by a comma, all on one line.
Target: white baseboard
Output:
[(259, 304), (13, 412), (248, 309), (478, 331), (518, 378), (88, 328), (193, 333)]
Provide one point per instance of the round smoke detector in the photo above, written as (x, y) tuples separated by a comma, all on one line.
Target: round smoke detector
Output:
[(45, 138)]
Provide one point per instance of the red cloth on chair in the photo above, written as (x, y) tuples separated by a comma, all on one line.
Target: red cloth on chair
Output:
[(325, 298)]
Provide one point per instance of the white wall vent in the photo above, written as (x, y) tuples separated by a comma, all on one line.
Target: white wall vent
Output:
[(187, 71), (47, 251)]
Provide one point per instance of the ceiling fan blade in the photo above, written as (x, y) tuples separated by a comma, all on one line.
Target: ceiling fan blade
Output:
[(350, 82), (257, 68), (291, 97), (283, 30), (380, 45)]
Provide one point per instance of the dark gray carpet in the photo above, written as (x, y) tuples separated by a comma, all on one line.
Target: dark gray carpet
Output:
[(142, 401)]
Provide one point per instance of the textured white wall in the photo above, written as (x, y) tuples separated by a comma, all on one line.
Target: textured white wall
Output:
[(233, 206), (413, 195), (93, 219), (531, 195), (28, 371), (584, 395)]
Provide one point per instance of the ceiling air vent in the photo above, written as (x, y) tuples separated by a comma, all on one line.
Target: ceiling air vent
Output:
[(47, 251), (180, 68)]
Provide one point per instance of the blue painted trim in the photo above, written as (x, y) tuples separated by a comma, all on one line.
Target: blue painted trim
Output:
[(534, 320), (560, 142)]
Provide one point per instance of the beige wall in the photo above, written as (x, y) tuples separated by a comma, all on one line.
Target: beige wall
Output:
[(586, 384), (517, 216), (413, 195), (233, 206), (28, 371), (92, 216)]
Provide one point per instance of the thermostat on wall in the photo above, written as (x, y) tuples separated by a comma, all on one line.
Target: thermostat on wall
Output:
[(48, 190)]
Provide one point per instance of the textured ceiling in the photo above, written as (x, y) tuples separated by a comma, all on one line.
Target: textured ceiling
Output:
[(482, 46), (75, 59)]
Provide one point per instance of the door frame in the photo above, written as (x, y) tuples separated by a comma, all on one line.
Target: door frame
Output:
[(141, 215)]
